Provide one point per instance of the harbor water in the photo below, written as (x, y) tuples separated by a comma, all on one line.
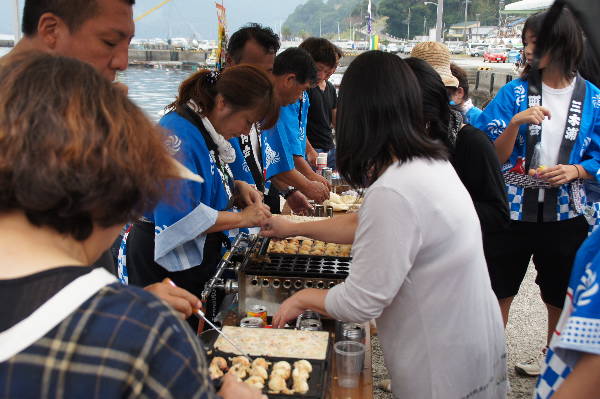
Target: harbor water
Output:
[(152, 89)]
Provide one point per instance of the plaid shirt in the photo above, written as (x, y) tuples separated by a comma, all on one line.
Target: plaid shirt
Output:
[(121, 342)]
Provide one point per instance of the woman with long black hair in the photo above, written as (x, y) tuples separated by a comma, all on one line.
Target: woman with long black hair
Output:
[(547, 124), (418, 266), (471, 152)]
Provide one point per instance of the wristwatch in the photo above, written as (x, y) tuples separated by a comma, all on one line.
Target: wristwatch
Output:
[(290, 190)]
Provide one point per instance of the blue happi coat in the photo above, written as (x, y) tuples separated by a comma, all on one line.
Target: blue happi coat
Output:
[(239, 167), (578, 330), (512, 99), (278, 145), (181, 221), (295, 129)]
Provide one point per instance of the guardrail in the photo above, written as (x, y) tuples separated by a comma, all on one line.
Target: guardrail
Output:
[(485, 83)]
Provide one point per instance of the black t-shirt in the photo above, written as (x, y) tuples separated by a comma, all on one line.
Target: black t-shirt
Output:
[(318, 128), (477, 165), (20, 297)]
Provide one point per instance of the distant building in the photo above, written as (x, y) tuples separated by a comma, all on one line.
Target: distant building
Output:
[(480, 33), (7, 40), (457, 31)]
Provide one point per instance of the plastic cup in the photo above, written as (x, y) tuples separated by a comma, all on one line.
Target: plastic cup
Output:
[(349, 360)]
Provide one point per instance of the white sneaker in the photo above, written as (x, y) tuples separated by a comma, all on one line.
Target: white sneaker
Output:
[(532, 367)]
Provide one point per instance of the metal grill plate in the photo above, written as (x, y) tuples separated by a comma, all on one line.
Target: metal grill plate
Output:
[(286, 265)]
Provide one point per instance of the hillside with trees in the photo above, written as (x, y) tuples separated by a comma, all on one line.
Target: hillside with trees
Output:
[(324, 16)]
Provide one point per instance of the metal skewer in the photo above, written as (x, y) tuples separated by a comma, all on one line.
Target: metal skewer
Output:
[(200, 314)]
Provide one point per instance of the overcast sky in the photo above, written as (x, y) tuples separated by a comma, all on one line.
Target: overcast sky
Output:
[(186, 17)]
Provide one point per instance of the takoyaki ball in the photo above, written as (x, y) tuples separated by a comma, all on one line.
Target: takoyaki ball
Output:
[(258, 371), (238, 370), (243, 360), (300, 386), (282, 365), (261, 362), (283, 373), (219, 362), (215, 372), (256, 382), (303, 364), (300, 373), (276, 384)]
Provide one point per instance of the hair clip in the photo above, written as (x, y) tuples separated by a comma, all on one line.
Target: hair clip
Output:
[(211, 78)]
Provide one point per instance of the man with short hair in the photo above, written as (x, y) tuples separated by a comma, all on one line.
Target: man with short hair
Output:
[(257, 45), (98, 32), (253, 44), (323, 99), (294, 72)]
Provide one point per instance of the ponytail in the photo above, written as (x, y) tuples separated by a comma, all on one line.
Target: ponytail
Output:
[(242, 87)]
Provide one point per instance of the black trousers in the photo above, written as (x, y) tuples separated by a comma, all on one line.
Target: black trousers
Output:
[(553, 246)]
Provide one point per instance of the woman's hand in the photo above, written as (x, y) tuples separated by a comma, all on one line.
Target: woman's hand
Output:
[(533, 115), (291, 308), (246, 194), (277, 227), (182, 301), (559, 174), (253, 215), (232, 389)]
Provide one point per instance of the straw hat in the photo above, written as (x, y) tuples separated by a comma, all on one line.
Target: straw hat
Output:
[(438, 56)]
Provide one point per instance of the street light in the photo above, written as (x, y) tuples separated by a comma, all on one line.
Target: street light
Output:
[(438, 21), (465, 27)]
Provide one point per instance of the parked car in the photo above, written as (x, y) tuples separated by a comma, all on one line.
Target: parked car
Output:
[(495, 55), (408, 48), (477, 51), (393, 48), (457, 50)]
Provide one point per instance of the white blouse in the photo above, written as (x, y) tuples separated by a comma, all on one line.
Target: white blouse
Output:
[(419, 270)]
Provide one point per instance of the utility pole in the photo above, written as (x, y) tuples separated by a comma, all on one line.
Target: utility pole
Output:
[(408, 25), (438, 23), (478, 23), (425, 26), (465, 27), (339, 38), (17, 21), (500, 6), (320, 30)]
